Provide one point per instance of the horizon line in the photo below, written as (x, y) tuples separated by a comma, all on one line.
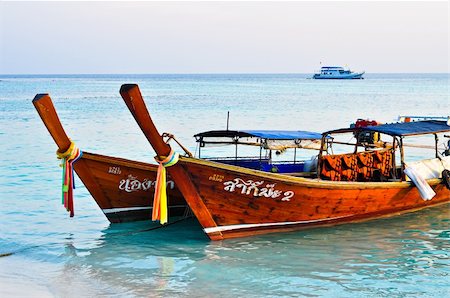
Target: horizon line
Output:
[(200, 73)]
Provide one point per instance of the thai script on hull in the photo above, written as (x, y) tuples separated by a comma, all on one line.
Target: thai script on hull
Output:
[(257, 189), (132, 183)]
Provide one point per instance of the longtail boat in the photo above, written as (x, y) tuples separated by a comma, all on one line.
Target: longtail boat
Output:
[(122, 188), (372, 180)]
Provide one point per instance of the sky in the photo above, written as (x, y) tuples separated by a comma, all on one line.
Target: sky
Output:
[(222, 37)]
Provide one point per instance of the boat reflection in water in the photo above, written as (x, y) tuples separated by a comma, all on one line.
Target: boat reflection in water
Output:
[(173, 260)]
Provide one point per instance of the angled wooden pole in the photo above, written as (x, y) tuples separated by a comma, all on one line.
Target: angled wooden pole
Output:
[(44, 106), (135, 103)]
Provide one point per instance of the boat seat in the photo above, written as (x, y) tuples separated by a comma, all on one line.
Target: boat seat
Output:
[(382, 160), (331, 167), (365, 166), (349, 167), (362, 166)]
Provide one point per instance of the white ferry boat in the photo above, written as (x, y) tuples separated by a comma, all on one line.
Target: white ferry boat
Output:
[(337, 72)]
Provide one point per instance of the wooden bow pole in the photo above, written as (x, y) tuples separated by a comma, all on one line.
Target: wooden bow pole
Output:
[(135, 103), (44, 106)]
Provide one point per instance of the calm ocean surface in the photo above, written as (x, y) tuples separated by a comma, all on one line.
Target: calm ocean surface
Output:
[(85, 256)]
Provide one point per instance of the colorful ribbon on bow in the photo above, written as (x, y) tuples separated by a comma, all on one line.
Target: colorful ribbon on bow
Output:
[(160, 197), (71, 155)]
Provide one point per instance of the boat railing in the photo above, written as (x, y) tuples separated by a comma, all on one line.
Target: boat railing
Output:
[(265, 165), (236, 158), (284, 167), (255, 163)]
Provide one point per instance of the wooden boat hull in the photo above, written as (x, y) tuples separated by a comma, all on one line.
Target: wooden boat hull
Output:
[(230, 201), (124, 189), (245, 202)]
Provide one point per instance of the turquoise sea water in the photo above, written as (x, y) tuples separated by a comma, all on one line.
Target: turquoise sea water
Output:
[(54, 255)]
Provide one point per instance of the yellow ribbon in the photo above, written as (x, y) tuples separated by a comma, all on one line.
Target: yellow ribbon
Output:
[(160, 197), (68, 152), (68, 157)]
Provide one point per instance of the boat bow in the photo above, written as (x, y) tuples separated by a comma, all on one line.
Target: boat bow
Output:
[(135, 103)]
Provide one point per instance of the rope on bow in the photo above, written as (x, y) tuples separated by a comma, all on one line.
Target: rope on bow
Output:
[(68, 157), (170, 136), (160, 197)]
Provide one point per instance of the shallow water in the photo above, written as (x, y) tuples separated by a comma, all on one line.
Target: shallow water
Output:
[(54, 255)]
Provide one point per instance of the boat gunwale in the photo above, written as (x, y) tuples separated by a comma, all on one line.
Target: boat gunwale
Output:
[(307, 182), (120, 161)]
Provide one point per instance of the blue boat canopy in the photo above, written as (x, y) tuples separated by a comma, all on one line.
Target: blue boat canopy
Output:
[(411, 128), (284, 134), (268, 139), (405, 128), (262, 134)]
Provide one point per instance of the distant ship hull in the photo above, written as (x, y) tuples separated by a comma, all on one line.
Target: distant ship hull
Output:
[(337, 73), (353, 76)]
